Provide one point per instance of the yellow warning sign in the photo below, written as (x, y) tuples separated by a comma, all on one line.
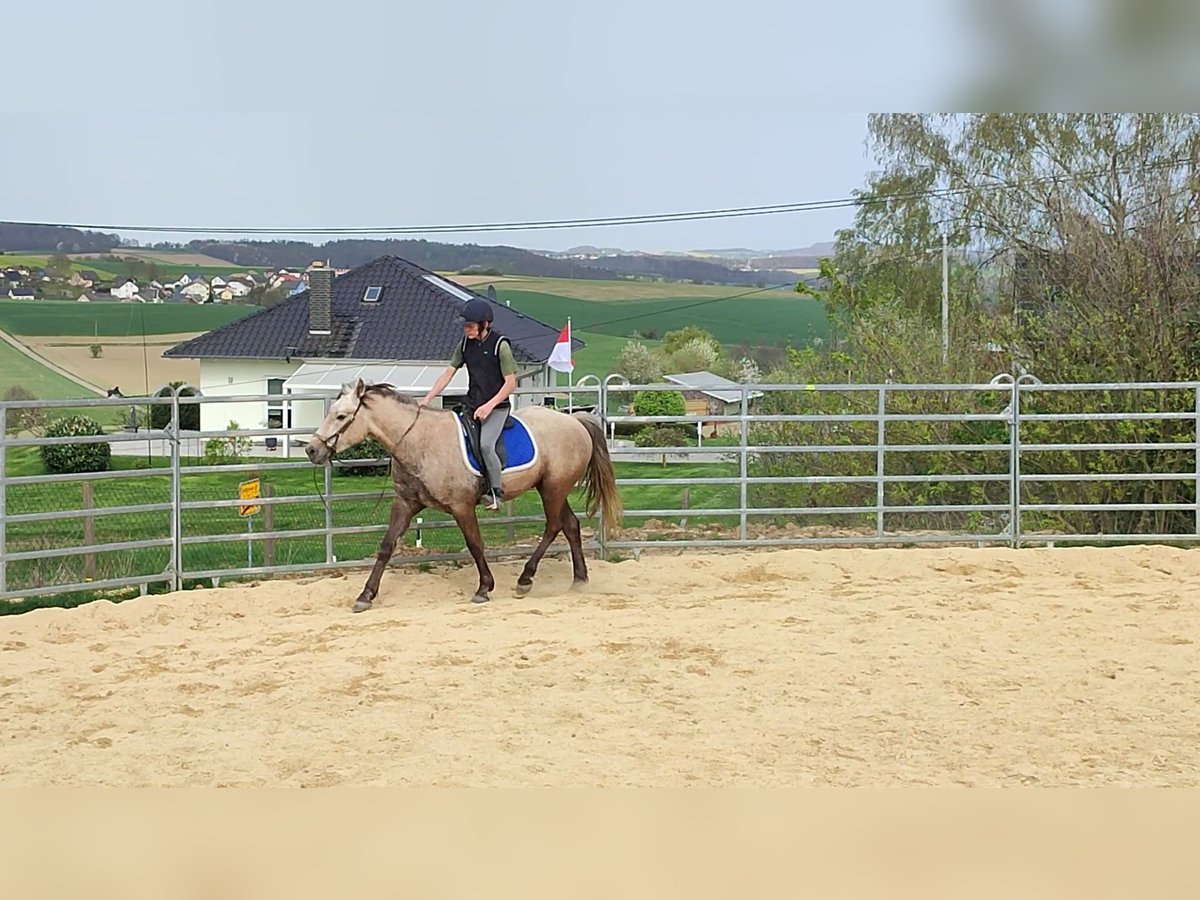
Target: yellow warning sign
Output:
[(249, 490)]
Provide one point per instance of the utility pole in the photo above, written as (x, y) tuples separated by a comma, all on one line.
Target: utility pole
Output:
[(945, 295)]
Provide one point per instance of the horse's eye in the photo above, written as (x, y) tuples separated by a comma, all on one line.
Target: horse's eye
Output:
[(342, 416)]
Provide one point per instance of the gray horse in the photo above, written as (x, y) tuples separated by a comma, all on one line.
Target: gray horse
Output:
[(430, 472)]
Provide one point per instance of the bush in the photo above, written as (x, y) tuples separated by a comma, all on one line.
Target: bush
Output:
[(368, 449), (72, 458), (659, 403), (221, 450), (18, 419), (189, 415), (662, 436)]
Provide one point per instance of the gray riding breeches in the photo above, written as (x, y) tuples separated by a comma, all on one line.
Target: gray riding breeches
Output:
[(489, 434)]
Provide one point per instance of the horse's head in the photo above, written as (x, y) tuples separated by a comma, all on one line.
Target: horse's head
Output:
[(343, 427)]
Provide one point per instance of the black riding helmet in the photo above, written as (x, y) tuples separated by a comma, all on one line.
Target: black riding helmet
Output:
[(477, 310)]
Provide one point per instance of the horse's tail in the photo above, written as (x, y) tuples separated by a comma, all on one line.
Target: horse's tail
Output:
[(600, 481)]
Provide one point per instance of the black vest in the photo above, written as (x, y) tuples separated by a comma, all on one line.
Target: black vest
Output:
[(483, 369)]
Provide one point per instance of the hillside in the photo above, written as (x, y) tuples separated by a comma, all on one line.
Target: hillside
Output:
[(468, 258), (51, 238)]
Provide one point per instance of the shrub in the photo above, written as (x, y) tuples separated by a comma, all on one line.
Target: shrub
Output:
[(72, 458), (659, 403), (189, 415), (19, 419), (220, 450), (368, 449), (662, 436)]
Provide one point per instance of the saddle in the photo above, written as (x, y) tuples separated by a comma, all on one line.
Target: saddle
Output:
[(474, 430)]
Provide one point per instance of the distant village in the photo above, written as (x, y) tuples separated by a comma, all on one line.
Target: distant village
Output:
[(22, 282)]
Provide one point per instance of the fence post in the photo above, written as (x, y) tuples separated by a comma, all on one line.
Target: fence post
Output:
[(3, 499), (743, 528), (328, 502), (1014, 468), (89, 532), (512, 528), (685, 504), (176, 494), (268, 525), (1195, 456), (879, 468)]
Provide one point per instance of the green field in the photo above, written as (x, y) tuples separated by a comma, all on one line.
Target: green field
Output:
[(758, 320), (115, 319), (623, 289)]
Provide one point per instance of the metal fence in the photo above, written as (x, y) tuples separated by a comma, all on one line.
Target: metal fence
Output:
[(1009, 462)]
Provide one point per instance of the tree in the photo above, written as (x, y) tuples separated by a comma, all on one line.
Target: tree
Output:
[(640, 364), (1081, 229)]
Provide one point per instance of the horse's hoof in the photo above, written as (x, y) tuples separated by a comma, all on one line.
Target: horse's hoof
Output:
[(480, 598), (578, 583), (522, 589), (362, 605)]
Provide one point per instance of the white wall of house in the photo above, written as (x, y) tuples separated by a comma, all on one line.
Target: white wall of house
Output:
[(236, 377), (127, 291)]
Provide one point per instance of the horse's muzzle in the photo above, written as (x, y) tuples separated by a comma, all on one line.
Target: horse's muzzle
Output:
[(317, 452)]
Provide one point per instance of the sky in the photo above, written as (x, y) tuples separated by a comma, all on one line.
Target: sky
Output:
[(269, 114)]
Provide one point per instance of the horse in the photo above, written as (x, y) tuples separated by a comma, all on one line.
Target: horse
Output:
[(430, 472)]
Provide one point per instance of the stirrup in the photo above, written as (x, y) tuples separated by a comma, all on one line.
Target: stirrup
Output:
[(490, 499)]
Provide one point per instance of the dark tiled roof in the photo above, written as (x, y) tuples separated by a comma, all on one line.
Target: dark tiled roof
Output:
[(413, 319)]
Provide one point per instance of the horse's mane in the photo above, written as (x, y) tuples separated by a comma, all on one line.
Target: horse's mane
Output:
[(391, 392)]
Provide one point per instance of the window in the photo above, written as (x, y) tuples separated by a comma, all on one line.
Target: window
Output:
[(449, 288), (371, 295)]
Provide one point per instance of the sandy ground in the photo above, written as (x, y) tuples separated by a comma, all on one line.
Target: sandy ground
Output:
[(122, 362), (790, 667)]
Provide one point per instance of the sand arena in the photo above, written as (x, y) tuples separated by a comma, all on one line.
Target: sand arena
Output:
[(788, 667)]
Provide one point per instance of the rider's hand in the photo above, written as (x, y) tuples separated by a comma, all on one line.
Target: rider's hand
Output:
[(483, 412)]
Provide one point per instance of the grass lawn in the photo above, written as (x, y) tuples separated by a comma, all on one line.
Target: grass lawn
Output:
[(17, 369)]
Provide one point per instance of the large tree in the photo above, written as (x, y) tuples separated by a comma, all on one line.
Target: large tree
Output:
[(1087, 224)]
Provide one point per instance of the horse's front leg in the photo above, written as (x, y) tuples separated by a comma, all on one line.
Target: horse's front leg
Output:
[(469, 525), (402, 512)]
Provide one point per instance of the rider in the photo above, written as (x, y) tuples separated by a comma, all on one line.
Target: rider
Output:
[(492, 374)]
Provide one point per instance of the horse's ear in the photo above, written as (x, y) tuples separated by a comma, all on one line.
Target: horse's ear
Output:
[(358, 388)]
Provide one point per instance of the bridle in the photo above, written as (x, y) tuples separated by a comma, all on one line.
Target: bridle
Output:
[(331, 444)]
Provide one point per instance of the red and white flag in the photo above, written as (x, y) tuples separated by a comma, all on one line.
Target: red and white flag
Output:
[(560, 357)]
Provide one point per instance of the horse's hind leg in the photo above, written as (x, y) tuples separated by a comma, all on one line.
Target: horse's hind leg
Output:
[(570, 527), (402, 513), (553, 502)]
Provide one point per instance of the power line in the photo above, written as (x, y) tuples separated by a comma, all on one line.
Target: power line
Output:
[(610, 221)]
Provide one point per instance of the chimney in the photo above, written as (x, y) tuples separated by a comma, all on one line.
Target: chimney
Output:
[(320, 299)]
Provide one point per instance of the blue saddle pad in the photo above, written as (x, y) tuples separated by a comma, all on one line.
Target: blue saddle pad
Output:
[(519, 445)]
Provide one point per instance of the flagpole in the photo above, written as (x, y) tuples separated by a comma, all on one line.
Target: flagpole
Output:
[(570, 373)]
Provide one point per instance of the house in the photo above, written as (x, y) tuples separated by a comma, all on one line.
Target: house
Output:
[(83, 278), (709, 394), (388, 320), (126, 289), (195, 290), (15, 292)]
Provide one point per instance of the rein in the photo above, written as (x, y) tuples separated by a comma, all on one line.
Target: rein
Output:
[(331, 445)]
